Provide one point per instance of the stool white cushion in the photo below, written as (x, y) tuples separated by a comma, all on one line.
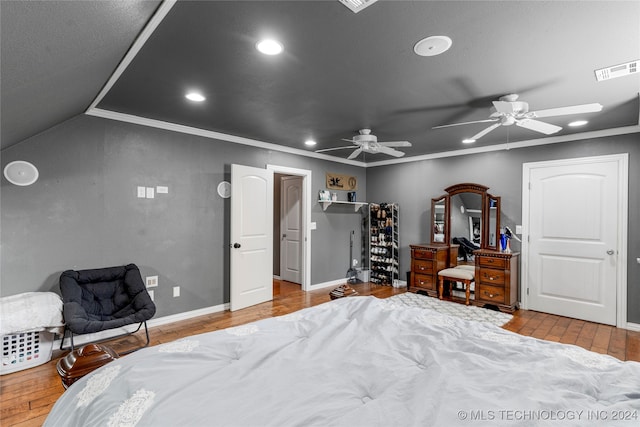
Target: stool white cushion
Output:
[(457, 273)]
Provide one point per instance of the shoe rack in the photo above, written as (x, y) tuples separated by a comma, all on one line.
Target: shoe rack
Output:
[(384, 244)]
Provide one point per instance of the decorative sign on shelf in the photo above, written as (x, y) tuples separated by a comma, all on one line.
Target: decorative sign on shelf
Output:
[(337, 181)]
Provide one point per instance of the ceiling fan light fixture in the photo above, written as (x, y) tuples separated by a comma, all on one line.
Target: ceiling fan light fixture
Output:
[(310, 142), (195, 97), (468, 141), (269, 47), (578, 123), (432, 46)]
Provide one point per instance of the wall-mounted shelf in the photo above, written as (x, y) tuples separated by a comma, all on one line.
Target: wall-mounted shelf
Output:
[(356, 205)]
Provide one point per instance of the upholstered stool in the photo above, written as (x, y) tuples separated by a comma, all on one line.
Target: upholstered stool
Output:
[(463, 275)]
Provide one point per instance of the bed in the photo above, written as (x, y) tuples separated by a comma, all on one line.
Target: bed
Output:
[(357, 361)]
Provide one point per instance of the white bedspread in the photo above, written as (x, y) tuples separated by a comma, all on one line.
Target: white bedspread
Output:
[(356, 361), (30, 312)]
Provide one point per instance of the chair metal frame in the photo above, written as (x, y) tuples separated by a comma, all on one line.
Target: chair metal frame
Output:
[(72, 346)]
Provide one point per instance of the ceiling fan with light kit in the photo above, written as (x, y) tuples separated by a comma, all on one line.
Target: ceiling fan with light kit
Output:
[(509, 111), (366, 142)]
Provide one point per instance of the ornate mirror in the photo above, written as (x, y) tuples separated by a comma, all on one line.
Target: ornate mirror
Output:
[(439, 220), (466, 216)]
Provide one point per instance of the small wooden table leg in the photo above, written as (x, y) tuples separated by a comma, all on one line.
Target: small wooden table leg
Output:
[(441, 287), (467, 284)]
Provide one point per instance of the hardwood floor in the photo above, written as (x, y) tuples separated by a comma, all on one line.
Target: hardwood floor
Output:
[(26, 397)]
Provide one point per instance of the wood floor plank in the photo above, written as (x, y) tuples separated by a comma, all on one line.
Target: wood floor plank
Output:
[(26, 397)]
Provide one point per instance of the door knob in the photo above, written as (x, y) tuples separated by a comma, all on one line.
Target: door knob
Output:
[(610, 251), (236, 245), (283, 236)]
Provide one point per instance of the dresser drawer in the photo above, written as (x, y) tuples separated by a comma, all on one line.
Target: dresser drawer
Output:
[(492, 262), (423, 281), (422, 254), (491, 293), (422, 266), (489, 276)]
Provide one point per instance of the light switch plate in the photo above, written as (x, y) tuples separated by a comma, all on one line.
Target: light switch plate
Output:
[(142, 192), (313, 226), (161, 189), (518, 229), (176, 291), (150, 192), (151, 281), (152, 295)]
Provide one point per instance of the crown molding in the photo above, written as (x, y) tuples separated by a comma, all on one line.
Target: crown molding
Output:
[(143, 121)]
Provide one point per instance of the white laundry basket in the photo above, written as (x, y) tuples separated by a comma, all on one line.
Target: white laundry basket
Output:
[(24, 350)]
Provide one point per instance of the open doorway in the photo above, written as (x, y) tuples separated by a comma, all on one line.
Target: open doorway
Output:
[(291, 220)]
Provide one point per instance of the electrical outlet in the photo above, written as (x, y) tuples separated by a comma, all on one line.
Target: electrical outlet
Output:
[(151, 281), (176, 291), (152, 295)]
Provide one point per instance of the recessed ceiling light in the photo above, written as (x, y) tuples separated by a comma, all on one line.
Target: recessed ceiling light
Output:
[(578, 123), (310, 142), (468, 141), (195, 97), (269, 47), (432, 46)]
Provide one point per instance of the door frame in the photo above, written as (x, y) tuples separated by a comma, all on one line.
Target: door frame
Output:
[(622, 234), (283, 215), (306, 218)]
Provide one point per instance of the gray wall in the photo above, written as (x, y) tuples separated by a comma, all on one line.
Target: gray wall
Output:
[(83, 211), (413, 185)]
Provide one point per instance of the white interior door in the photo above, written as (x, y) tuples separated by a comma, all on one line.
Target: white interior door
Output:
[(251, 236), (573, 239), (291, 229)]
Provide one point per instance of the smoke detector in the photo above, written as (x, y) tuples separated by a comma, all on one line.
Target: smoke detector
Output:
[(617, 71), (357, 5)]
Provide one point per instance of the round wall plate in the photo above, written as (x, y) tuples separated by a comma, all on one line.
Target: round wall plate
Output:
[(21, 173), (224, 189)]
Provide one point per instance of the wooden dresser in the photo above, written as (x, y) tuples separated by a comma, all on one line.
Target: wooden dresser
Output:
[(497, 278), (426, 261)]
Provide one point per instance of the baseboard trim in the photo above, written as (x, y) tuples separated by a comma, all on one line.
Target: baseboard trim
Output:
[(633, 326), (327, 284), (80, 340)]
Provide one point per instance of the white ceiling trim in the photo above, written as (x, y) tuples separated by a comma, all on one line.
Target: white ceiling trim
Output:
[(513, 145), (143, 121), (155, 20)]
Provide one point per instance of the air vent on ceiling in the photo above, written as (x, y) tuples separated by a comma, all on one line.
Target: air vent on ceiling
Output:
[(357, 5), (617, 71)]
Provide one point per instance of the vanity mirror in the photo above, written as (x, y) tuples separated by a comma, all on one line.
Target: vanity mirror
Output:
[(467, 215)]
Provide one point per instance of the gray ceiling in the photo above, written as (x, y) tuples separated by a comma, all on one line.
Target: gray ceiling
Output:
[(340, 71)]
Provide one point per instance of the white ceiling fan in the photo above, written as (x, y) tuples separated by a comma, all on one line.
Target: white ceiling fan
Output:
[(508, 111), (368, 143)]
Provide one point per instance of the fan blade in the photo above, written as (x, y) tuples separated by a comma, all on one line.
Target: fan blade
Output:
[(564, 111), (348, 140), (355, 154), (538, 126), (464, 123), (389, 151), (395, 143), (486, 131), (335, 148)]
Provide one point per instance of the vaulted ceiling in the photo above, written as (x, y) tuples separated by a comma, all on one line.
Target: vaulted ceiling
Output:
[(339, 72)]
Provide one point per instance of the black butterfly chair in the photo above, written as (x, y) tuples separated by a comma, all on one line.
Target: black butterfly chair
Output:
[(104, 298)]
